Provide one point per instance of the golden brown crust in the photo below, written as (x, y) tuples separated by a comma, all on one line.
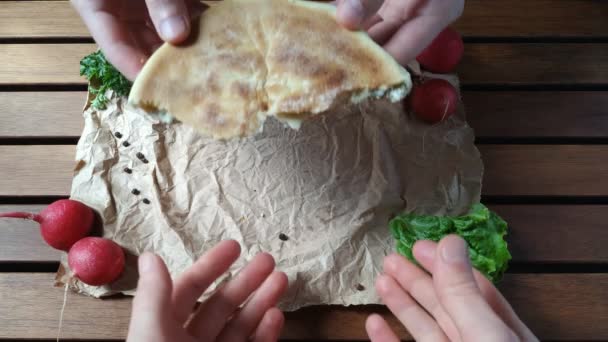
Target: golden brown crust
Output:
[(248, 59)]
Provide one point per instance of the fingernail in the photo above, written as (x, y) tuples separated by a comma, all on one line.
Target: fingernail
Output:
[(455, 251), (173, 27), (145, 262), (357, 9)]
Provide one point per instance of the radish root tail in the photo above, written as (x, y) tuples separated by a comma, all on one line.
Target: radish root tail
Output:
[(65, 301), (21, 215)]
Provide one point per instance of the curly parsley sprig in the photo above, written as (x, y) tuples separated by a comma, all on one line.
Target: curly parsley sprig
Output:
[(102, 76)]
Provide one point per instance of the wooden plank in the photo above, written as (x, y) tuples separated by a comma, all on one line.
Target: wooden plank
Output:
[(41, 114), (539, 18), (555, 306), (537, 233), (556, 233), (36, 19), (36, 305), (510, 170), (537, 113), (517, 64), (509, 64), (42, 63), (491, 113), (21, 240), (545, 170), (36, 170)]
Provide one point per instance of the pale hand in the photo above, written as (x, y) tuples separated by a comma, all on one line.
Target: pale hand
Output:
[(163, 310), (129, 31), (452, 302), (403, 27)]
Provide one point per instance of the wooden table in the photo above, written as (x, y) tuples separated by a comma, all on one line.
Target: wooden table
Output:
[(535, 81)]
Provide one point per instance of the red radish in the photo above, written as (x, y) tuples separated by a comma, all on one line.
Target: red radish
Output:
[(62, 223), (96, 261), (434, 101), (444, 53)]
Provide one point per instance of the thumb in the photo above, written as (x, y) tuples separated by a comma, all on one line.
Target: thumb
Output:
[(353, 13), (170, 18), (460, 296), (151, 305)]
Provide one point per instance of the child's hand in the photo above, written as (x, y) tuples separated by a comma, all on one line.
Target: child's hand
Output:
[(403, 27), (129, 31), (453, 303), (163, 311)]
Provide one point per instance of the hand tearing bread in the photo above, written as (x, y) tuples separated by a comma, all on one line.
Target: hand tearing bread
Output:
[(247, 60)]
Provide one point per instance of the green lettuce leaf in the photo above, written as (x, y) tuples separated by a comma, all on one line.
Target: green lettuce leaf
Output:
[(482, 229)]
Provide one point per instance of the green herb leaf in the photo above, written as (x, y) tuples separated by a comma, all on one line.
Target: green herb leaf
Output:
[(99, 72), (482, 229)]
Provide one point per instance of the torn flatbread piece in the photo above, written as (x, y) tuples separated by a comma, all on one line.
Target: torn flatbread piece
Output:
[(250, 59)]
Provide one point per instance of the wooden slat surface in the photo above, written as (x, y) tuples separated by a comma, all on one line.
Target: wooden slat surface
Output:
[(556, 233), (542, 18), (36, 170), (504, 63), (560, 170), (42, 63), (490, 113), (35, 306), (537, 233), (41, 114), (20, 239), (555, 306), (514, 64), (537, 113), (512, 170), (534, 18), (35, 19)]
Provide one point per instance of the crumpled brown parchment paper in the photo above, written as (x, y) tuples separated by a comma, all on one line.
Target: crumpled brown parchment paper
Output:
[(329, 188)]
